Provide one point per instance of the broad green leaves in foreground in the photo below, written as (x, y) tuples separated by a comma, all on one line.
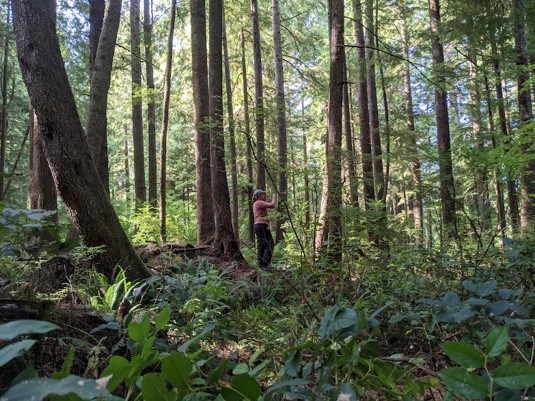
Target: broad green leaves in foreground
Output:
[(475, 378)]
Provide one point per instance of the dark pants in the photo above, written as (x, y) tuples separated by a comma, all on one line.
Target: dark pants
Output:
[(264, 243)]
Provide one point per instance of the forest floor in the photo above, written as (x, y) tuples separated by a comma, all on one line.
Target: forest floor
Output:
[(88, 335)]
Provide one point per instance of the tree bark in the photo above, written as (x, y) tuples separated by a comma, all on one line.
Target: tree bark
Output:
[(165, 125), (249, 144), (41, 189), (447, 186), (3, 111), (151, 103), (205, 211), (232, 137), (259, 100), (527, 177), (104, 33), (364, 118), (137, 104), (375, 134), (412, 146), (224, 243), (350, 158), (481, 173), (281, 121), (500, 205), (329, 238), (64, 144)]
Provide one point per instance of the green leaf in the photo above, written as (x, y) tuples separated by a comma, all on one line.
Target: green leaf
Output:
[(11, 330), (176, 368), (154, 388), (515, 375), (507, 395), (163, 318), (451, 299), (336, 319), (240, 369), (496, 341), (465, 313), (242, 387), (465, 383), (346, 391), (119, 368), (15, 350), (285, 385), (464, 354), (38, 389), (215, 374), (292, 365)]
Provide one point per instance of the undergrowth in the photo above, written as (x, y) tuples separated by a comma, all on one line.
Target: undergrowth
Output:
[(375, 327)]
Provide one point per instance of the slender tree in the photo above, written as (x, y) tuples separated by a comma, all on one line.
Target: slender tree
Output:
[(481, 173), (151, 103), (447, 187), (512, 199), (3, 111), (64, 143), (375, 134), (364, 117), (259, 100), (232, 136), (137, 104), (527, 178), (205, 211), (249, 142), (348, 133), (500, 204), (329, 238), (165, 125), (412, 147), (281, 119), (104, 32)]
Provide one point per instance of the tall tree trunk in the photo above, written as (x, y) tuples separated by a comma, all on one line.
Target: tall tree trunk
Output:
[(447, 186), (105, 25), (281, 120), (329, 238), (306, 180), (232, 137), (500, 206), (350, 159), (481, 173), (527, 177), (75, 176), (42, 193), (412, 146), (259, 100), (225, 243), (512, 182), (512, 198), (165, 125), (249, 144), (97, 10), (41, 189), (375, 134), (16, 162), (364, 117), (126, 164), (3, 111), (151, 103), (205, 210), (386, 177), (137, 104)]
